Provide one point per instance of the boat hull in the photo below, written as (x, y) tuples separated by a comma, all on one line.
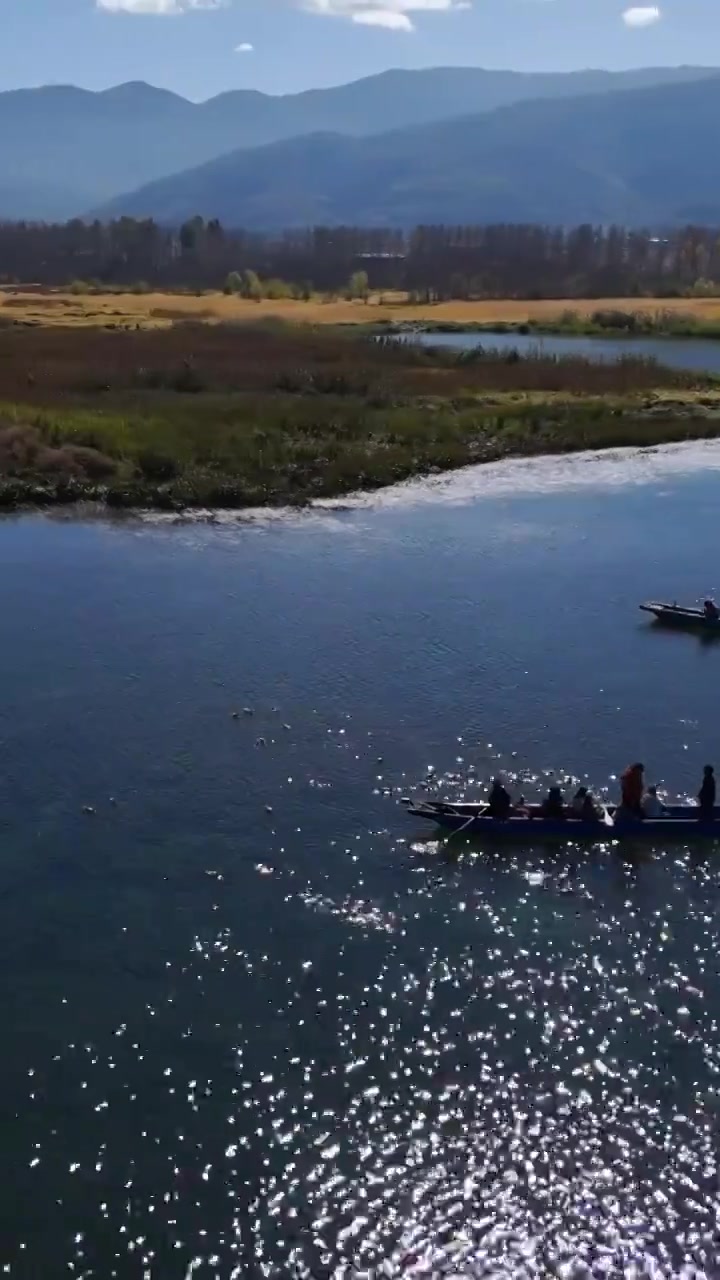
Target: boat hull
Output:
[(681, 824), (671, 615)]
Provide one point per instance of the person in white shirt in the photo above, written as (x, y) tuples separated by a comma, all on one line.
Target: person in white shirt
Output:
[(652, 805)]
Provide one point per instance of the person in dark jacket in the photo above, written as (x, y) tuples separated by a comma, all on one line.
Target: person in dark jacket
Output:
[(706, 795), (499, 802), (652, 805), (553, 806), (584, 806)]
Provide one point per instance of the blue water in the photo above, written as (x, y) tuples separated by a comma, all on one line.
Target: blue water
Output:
[(701, 354), (255, 1024)]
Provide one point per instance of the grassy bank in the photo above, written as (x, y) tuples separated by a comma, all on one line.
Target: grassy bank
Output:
[(607, 323), (232, 416)]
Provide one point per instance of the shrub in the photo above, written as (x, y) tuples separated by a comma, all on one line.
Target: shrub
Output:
[(234, 283), (22, 452), (188, 381), (19, 447), (156, 466), (90, 462), (293, 381), (276, 290), (615, 319), (358, 285)]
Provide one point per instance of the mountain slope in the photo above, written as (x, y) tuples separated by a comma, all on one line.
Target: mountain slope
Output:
[(643, 156), (89, 147)]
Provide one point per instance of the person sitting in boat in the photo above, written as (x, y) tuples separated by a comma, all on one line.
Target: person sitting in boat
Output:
[(711, 610), (585, 807), (632, 785), (579, 802), (499, 802), (652, 805), (706, 795), (553, 806), (593, 810)]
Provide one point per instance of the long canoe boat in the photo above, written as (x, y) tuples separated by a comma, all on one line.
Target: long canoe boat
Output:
[(677, 615), (681, 822)]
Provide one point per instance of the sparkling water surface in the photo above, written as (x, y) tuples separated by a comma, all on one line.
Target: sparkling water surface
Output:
[(257, 1023)]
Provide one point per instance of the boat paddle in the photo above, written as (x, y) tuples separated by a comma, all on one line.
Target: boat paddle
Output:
[(607, 821)]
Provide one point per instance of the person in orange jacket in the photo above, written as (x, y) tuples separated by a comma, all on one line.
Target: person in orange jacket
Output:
[(632, 785)]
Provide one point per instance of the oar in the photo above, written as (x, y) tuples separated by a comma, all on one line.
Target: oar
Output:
[(607, 820)]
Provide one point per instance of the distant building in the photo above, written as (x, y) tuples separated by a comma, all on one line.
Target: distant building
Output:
[(380, 257)]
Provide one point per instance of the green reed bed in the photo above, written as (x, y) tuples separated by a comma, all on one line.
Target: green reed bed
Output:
[(203, 417)]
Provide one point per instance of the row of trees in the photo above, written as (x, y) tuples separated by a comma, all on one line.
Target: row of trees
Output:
[(431, 263)]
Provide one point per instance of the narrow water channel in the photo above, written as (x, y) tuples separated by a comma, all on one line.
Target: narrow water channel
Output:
[(700, 354)]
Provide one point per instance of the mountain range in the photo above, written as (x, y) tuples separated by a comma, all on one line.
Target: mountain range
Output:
[(637, 157), (93, 148)]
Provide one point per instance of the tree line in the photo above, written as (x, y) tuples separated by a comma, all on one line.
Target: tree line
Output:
[(431, 263)]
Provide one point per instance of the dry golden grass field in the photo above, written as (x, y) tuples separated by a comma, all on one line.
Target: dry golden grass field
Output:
[(33, 305)]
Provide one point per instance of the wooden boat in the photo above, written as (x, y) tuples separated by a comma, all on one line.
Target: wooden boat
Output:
[(680, 823), (676, 615)]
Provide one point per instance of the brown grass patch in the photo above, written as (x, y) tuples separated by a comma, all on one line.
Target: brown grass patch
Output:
[(23, 452), (47, 365)]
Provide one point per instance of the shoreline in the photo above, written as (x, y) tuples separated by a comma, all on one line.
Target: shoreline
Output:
[(542, 475), (208, 416), (651, 427), (543, 329)]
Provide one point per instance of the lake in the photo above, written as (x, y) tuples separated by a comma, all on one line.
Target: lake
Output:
[(256, 1023), (701, 354)]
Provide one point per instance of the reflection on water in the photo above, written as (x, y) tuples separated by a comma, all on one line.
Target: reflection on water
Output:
[(506, 1075), (257, 1024)]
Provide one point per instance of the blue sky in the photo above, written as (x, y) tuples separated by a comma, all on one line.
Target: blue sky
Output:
[(192, 46)]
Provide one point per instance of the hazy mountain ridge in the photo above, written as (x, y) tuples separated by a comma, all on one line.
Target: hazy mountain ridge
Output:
[(89, 147), (641, 156)]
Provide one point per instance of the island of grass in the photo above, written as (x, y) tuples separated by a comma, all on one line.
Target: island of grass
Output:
[(235, 416), (604, 321)]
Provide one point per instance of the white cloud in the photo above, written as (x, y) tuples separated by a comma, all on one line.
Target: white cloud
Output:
[(642, 16), (245, 47), (396, 15), (390, 18), (157, 7)]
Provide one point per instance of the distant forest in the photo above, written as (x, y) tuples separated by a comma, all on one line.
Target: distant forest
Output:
[(431, 263)]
